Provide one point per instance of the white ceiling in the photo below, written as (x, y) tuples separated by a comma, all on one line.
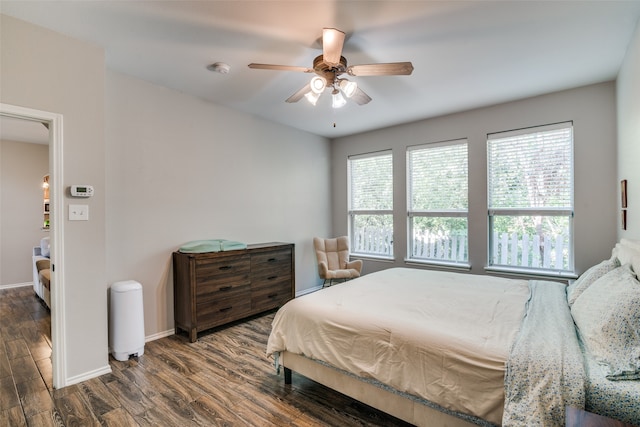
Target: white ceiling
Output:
[(466, 54)]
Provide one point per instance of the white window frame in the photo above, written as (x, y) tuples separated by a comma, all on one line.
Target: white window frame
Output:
[(381, 247), (439, 253), (493, 264)]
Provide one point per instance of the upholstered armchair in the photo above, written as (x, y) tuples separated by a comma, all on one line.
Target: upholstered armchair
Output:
[(333, 260)]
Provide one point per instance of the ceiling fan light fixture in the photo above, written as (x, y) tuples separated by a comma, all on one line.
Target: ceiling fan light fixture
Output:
[(318, 84), (312, 97), (349, 88), (337, 99), (330, 65)]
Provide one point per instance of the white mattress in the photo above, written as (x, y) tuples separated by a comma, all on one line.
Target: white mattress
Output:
[(441, 336)]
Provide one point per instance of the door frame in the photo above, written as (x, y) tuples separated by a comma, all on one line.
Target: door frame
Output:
[(58, 322)]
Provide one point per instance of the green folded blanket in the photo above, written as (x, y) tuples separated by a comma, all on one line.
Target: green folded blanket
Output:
[(212, 245), (230, 245)]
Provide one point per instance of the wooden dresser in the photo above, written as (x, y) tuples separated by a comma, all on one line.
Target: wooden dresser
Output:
[(214, 288)]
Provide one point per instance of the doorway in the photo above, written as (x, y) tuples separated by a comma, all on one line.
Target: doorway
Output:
[(53, 122)]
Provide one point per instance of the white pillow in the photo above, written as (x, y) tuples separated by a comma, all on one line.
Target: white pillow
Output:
[(634, 244), (587, 278), (607, 315), (628, 252)]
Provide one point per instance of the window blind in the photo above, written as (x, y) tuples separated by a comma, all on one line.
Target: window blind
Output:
[(438, 176), (371, 183), (532, 168)]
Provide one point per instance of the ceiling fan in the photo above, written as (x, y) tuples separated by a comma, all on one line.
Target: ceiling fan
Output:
[(328, 68)]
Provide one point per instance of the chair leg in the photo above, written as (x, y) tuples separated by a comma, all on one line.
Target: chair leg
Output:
[(326, 285), (330, 281)]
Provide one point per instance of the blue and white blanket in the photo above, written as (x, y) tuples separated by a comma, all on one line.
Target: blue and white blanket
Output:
[(619, 400), (545, 369)]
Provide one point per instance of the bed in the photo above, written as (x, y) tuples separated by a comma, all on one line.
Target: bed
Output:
[(444, 348)]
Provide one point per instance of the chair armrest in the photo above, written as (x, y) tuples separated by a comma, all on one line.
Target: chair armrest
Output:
[(323, 269), (356, 264)]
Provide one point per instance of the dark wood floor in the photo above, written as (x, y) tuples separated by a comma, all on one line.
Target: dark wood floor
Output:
[(223, 379)]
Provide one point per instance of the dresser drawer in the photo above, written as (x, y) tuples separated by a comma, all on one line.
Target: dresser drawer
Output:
[(268, 264), (273, 279), (215, 291), (266, 298), (223, 271), (218, 312)]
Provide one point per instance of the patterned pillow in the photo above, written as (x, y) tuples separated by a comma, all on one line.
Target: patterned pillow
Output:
[(585, 280), (607, 315)]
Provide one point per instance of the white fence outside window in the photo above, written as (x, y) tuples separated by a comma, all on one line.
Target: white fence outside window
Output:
[(535, 251), (511, 250), (439, 247), (373, 241)]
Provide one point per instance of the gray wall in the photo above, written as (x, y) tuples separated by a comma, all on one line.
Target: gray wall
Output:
[(47, 71), (181, 169), (628, 91), (22, 167), (592, 110)]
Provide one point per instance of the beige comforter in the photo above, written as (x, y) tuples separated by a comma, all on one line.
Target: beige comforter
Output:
[(441, 336)]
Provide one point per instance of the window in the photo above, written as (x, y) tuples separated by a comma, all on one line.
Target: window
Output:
[(530, 179), (371, 204), (437, 183)]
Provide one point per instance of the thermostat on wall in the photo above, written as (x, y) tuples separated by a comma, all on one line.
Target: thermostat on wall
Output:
[(81, 191)]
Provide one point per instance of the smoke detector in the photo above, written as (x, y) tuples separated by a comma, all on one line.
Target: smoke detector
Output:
[(219, 67)]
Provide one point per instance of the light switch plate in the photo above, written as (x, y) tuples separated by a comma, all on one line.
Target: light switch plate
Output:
[(78, 212)]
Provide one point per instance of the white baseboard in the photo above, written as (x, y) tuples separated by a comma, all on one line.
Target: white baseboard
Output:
[(87, 375), (16, 285), (159, 335), (308, 291)]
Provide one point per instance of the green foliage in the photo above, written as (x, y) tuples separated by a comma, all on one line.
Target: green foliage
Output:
[(550, 226), (380, 222), (439, 225)]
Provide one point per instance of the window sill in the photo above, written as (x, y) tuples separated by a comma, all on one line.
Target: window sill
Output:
[(441, 264), (542, 274), (369, 257)]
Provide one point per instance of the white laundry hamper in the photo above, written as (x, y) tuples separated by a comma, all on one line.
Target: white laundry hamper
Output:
[(126, 320)]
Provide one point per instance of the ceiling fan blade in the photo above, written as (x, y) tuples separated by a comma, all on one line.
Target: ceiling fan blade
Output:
[(280, 67), (332, 43), (299, 94), (386, 69), (360, 97)]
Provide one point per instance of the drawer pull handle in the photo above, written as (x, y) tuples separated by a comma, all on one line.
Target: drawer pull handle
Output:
[(226, 309), (226, 267), (272, 260), (226, 288), (272, 296), (272, 277)]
